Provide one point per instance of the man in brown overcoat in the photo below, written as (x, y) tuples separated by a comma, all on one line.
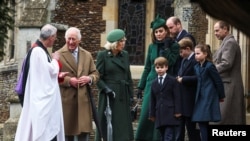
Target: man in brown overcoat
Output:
[(75, 101)]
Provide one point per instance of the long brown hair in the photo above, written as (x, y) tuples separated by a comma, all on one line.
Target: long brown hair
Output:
[(205, 48), (153, 33)]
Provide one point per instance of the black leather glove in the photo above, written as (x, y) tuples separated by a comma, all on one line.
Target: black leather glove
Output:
[(109, 92), (139, 94), (131, 101)]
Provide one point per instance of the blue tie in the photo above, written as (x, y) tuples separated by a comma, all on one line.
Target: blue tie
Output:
[(160, 78), (74, 53)]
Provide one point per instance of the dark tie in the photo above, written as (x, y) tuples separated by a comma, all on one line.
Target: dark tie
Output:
[(181, 69), (160, 80), (184, 61)]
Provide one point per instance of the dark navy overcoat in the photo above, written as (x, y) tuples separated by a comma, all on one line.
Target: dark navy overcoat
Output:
[(209, 90), (165, 101)]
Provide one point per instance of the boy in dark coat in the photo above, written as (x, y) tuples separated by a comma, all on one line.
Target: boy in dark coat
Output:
[(165, 101), (188, 84)]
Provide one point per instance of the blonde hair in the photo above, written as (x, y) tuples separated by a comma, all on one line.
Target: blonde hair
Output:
[(110, 46), (113, 45)]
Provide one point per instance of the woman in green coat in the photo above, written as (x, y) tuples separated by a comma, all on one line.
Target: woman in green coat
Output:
[(162, 45), (116, 84)]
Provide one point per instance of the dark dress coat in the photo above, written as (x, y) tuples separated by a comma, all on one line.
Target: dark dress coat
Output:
[(188, 86), (227, 60), (146, 129), (115, 74), (183, 34), (165, 101), (77, 111), (210, 90)]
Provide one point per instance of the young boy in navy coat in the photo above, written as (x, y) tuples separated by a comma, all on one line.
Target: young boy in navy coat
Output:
[(165, 101), (188, 85)]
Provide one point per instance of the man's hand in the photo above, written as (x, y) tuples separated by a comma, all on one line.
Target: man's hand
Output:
[(55, 55), (84, 80), (62, 74), (73, 82)]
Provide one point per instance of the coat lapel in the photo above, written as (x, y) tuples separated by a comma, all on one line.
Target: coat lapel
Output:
[(81, 62), (203, 67), (69, 59), (165, 81), (217, 55), (183, 33), (119, 62), (188, 63)]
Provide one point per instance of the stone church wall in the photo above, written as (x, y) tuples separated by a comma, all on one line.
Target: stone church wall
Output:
[(85, 15)]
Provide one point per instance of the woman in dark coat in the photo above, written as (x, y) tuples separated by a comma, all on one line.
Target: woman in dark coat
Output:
[(116, 84), (163, 46)]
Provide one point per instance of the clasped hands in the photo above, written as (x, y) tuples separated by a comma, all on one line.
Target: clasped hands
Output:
[(81, 81)]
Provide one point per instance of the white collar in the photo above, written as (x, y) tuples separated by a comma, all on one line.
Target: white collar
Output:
[(76, 50), (190, 56), (163, 76), (179, 34)]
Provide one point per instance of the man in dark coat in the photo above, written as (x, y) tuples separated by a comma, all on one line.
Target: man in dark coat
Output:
[(177, 32)]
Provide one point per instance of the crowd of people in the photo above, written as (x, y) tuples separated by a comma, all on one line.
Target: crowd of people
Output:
[(184, 87)]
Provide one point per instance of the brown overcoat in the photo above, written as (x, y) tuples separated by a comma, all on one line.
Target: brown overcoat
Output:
[(76, 105)]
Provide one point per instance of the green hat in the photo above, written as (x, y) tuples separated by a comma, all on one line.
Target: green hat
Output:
[(158, 22), (115, 35)]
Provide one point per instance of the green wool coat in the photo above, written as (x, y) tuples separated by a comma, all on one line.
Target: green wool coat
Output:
[(146, 129), (115, 74)]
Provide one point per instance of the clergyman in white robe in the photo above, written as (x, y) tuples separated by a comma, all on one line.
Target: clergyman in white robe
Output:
[(41, 118)]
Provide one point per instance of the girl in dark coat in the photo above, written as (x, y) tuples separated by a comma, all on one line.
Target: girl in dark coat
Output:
[(210, 91)]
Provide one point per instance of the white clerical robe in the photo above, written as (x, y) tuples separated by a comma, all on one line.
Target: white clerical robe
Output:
[(41, 118)]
